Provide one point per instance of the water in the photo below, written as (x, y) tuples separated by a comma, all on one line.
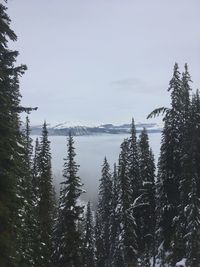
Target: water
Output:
[(91, 151)]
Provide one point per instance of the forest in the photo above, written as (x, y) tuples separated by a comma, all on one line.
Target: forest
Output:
[(147, 215)]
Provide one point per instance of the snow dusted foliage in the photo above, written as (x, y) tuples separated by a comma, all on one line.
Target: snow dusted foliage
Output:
[(27, 213), (68, 241), (99, 242), (178, 194), (182, 263), (127, 231), (133, 162), (145, 203), (104, 212), (168, 197), (45, 200), (88, 239), (11, 147), (114, 223)]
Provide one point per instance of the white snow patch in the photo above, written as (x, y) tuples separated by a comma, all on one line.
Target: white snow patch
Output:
[(181, 263)]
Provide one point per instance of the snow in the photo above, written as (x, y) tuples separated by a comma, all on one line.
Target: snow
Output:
[(181, 263), (69, 124)]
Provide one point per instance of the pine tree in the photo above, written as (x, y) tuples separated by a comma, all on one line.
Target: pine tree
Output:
[(36, 198), (27, 215), (10, 144), (114, 224), (191, 230), (88, 242), (192, 236), (104, 211), (146, 200), (179, 248), (175, 170), (127, 235), (170, 168), (68, 241), (99, 242), (45, 203), (133, 163)]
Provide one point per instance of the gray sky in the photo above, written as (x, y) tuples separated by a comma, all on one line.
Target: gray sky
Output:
[(100, 61)]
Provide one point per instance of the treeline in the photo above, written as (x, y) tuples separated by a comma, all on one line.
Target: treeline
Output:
[(142, 218), (151, 220)]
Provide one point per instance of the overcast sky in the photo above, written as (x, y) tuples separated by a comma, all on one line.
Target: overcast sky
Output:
[(100, 61)]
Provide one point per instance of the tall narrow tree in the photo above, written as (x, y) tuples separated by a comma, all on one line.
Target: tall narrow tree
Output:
[(104, 211), (170, 168), (68, 237), (88, 242), (10, 143), (45, 204), (127, 235), (146, 200)]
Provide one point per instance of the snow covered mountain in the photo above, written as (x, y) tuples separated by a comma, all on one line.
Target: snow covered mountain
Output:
[(78, 129)]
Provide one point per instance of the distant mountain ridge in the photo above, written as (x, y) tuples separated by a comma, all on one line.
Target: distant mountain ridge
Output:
[(79, 130)]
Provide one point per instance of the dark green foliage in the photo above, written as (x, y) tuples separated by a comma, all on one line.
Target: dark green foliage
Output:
[(88, 242), (133, 163), (169, 164), (157, 112), (146, 200), (104, 211), (127, 239), (68, 243), (11, 170), (27, 211), (114, 222), (99, 243), (178, 176), (45, 200)]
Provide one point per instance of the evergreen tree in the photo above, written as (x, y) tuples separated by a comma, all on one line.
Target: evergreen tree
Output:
[(146, 200), (88, 243), (133, 163), (11, 149), (104, 211), (191, 203), (45, 203), (127, 235), (192, 236), (36, 200), (68, 237), (114, 224), (170, 168), (176, 170), (179, 248), (99, 243), (27, 215)]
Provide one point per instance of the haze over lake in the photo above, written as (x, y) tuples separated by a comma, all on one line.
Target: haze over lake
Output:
[(91, 151)]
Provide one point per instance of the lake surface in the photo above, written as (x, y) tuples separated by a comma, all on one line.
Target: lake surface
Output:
[(91, 151)]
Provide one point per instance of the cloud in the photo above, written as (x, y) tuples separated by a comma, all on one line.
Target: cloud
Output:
[(134, 85), (129, 84)]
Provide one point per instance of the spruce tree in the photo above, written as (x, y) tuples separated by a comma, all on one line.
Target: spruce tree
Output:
[(68, 243), (133, 162), (114, 224), (104, 211), (169, 169), (36, 200), (45, 203), (186, 171), (146, 200), (191, 233), (11, 148), (27, 214), (127, 235), (88, 242), (99, 243)]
